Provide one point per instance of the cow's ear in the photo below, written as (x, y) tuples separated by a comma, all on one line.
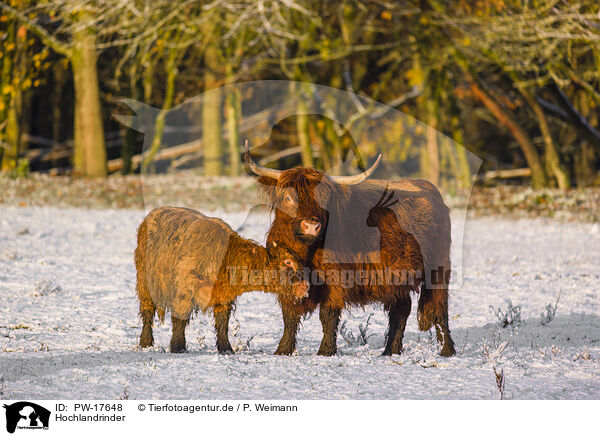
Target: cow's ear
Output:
[(266, 186)]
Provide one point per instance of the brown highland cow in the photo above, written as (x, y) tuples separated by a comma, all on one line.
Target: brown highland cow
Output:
[(187, 262), (325, 220)]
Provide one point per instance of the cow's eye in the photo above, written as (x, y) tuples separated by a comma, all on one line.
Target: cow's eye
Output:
[(288, 262), (288, 199)]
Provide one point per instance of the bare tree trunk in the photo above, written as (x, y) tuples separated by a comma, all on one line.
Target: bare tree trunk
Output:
[(337, 151), (320, 130), (147, 80), (590, 144), (331, 136), (552, 158), (10, 138), (59, 77), (25, 119), (430, 154), (302, 127), (585, 171), (303, 135), (212, 133), (212, 123), (159, 122), (90, 149), (233, 121), (128, 147), (17, 118), (461, 154), (5, 78), (433, 152), (451, 158)]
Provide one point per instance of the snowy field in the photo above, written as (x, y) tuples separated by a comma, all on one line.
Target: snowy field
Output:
[(69, 325)]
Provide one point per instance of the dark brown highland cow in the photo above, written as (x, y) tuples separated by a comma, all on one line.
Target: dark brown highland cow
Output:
[(324, 220), (187, 262)]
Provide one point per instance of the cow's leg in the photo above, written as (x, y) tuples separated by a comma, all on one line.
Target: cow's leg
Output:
[(222, 314), (425, 310), (330, 320), (398, 314), (442, 328), (291, 320), (147, 307), (147, 338), (433, 304), (178, 336), (433, 310), (147, 311)]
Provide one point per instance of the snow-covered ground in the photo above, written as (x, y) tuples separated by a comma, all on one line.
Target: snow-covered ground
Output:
[(69, 324)]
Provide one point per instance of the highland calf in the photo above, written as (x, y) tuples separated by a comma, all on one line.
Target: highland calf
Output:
[(187, 262)]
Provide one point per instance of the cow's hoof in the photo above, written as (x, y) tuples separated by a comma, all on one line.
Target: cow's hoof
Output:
[(146, 338), (145, 343), (225, 349), (391, 352), (283, 352), (177, 346), (447, 351), (326, 351)]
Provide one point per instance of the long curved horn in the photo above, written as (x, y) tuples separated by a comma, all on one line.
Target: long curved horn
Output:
[(257, 169), (353, 180)]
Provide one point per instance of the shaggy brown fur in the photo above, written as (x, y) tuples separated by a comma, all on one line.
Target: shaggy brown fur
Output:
[(187, 262), (416, 236)]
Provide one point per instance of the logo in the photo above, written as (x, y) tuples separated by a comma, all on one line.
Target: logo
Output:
[(26, 415)]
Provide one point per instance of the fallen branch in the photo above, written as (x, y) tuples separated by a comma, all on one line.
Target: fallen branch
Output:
[(507, 174), (166, 153)]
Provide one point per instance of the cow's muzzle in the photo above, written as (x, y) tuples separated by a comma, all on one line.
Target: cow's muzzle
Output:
[(310, 227)]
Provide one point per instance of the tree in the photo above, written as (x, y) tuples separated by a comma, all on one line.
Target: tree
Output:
[(532, 48), (81, 51), (76, 30), (20, 66)]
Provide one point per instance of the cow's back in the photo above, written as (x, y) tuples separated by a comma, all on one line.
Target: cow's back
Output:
[(420, 212), (184, 251)]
